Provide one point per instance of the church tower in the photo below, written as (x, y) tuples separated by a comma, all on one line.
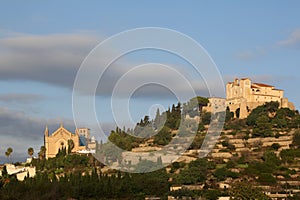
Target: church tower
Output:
[(46, 131), (46, 135)]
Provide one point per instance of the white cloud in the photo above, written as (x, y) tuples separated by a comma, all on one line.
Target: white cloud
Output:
[(292, 40)]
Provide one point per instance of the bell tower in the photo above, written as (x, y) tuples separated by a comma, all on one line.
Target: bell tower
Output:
[(46, 142)]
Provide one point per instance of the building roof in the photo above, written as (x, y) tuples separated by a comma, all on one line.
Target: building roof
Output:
[(263, 85), (253, 86)]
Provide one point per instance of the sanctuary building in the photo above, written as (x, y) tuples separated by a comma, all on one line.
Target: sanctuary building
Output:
[(242, 96), (80, 141)]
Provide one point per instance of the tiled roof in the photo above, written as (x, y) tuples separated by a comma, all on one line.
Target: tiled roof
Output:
[(262, 85)]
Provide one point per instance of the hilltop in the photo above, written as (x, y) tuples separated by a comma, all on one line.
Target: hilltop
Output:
[(261, 150)]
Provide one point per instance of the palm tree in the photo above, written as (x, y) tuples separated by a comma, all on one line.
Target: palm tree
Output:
[(8, 152), (30, 151)]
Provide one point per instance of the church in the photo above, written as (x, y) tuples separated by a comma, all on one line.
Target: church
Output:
[(81, 141), (242, 96)]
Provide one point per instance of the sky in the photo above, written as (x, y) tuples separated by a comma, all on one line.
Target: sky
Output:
[(43, 44)]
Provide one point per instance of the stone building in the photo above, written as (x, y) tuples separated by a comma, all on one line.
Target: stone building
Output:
[(242, 96), (245, 96), (60, 139)]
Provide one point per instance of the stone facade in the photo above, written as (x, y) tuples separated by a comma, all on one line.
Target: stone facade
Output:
[(243, 95), (59, 139)]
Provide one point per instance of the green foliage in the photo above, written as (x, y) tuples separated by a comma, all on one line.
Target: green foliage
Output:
[(194, 106), (237, 113), (266, 179), (229, 146), (230, 164), (246, 191), (147, 165), (270, 158), (30, 151), (62, 152), (70, 146), (163, 137), (264, 110), (42, 153), (173, 117), (212, 194), (235, 125), (62, 160), (270, 163), (263, 127), (91, 186), (275, 146), (8, 152), (222, 173), (289, 155), (197, 141), (124, 140), (264, 118), (205, 118), (296, 139), (229, 115), (195, 172)]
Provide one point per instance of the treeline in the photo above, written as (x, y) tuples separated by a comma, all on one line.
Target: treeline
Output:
[(88, 187), (264, 121), (159, 129)]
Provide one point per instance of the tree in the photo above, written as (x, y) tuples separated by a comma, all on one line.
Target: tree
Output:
[(200, 101), (264, 110), (206, 117), (30, 151), (163, 137), (263, 127), (42, 153), (8, 152), (70, 146), (194, 106), (275, 146), (272, 106), (266, 179), (237, 113), (246, 191), (296, 139), (229, 115)]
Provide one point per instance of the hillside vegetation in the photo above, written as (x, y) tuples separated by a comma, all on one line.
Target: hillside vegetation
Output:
[(254, 155)]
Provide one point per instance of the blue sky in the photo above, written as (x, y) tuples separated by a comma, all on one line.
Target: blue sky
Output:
[(42, 45)]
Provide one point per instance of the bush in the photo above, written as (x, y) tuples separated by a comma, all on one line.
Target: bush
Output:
[(267, 179), (275, 146)]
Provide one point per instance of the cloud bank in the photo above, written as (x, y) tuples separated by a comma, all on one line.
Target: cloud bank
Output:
[(55, 59)]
